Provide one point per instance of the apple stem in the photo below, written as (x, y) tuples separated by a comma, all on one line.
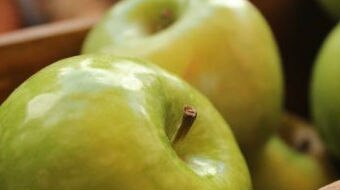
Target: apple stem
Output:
[(166, 14), (189, 116), (166, 19)]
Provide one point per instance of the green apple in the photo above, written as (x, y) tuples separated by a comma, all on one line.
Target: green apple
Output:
[(279, 166), (224, 48), (325, 99), (115, 123), (295, 158), (302, 136), (332, 7)]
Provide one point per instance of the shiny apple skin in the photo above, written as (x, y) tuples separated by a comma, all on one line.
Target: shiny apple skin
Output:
[(102, 122), (223, 48)]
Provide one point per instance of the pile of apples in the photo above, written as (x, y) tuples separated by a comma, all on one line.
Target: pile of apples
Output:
[(172, 94)]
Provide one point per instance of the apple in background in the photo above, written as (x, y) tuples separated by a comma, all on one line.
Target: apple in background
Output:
[(278, 166), (116, 123), (301, 135), (325, 89), (294, 159), (332, 7), (222, 47)]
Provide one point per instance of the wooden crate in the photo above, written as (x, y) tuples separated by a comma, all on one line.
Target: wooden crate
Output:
[(24, 52)]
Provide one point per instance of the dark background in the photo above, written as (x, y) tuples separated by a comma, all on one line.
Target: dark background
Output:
[(300, 27)]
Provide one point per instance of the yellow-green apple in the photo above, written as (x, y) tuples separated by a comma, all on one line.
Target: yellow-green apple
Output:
[(293, 159), (301, 135), (332, 7), (115, 123), (325, 89), (222, 47), (280, 167)]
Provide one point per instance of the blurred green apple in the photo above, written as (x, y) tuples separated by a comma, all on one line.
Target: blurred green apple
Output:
[(302, 136), (325, 98), (279, 166), (295, 158), (332, 7), (222, 47), (115, 123)]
